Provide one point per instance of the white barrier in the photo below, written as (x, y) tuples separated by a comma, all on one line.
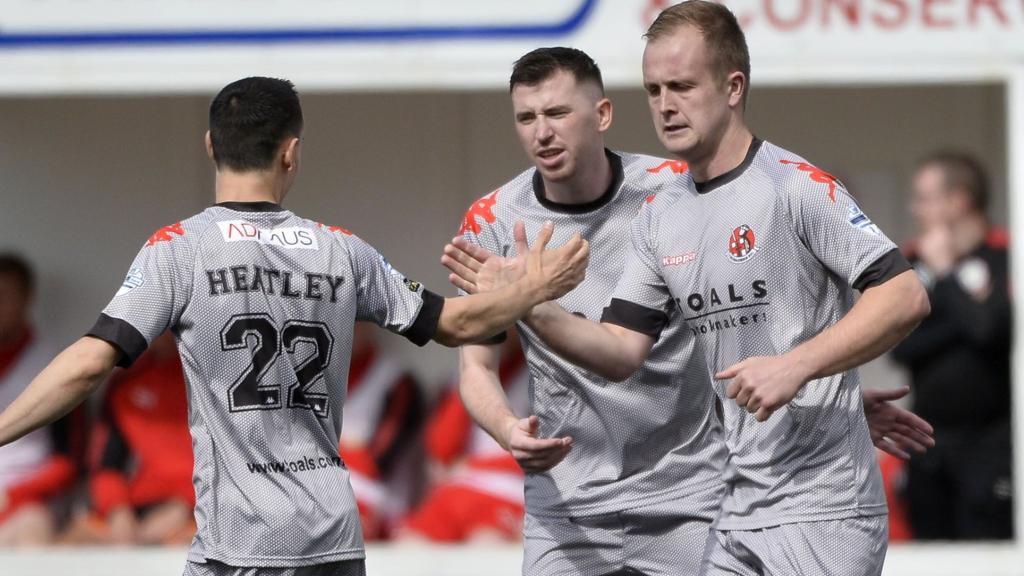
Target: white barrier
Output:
[(416, 560)]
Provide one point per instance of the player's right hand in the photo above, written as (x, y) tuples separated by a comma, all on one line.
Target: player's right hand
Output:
[(535, 454)]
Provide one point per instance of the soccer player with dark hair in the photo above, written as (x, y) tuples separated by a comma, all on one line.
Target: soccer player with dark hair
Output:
[(262, 304), (644, 471)]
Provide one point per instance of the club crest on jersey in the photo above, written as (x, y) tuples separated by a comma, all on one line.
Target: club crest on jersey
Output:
[(133, 280), (742, 244)]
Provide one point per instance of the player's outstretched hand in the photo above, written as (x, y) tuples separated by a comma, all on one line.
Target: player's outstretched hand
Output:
[(475, 269), (762, 384), (532, 453), (893, 429)]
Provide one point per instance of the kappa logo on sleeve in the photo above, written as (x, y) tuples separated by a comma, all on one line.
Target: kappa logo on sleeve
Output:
[(330, 228), (133, 280), (166, 234), (483, 208), (676, 166), (817, 175), (290, 237)]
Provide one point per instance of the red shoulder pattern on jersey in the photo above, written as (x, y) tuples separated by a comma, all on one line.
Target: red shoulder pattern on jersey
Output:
[(651, 198), (344, 231), (484, 208), (677, 166), (164, 234), (818, 175)]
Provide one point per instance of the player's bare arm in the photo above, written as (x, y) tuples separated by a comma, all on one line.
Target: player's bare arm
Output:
[(546, 275), (611, 351), (64, 384), (883, 316), (482, 394)]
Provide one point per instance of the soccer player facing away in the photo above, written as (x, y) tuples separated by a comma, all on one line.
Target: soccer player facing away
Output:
[(262, 304), (635, 491)]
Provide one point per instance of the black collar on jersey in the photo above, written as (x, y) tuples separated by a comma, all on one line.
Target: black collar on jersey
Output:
[(251, 206), (538, 190), (723, 179)]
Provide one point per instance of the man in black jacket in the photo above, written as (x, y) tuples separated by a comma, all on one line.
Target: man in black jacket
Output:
[(959, 357)]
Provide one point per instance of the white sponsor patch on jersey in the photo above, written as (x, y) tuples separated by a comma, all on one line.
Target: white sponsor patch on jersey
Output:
[(133, 280), (294, 237), (860, 220)]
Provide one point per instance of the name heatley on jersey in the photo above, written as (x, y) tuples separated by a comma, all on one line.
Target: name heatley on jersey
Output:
[(283, 283)]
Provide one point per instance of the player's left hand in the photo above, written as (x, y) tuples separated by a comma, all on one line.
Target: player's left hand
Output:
[(763, 384), (475, 269), (893, 429)]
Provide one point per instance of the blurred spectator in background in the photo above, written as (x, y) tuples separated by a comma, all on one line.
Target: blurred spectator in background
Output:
[(477, 488), (140, 483), (381, 434), (959, 357), (40, 467)]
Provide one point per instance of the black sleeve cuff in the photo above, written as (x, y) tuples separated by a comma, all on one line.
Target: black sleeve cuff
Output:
[(425, 325), (635, 317), (129, 341), (890, 265)]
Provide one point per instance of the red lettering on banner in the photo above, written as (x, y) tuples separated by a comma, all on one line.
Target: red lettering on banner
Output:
[(164, 234), (775, 20), (818, 175), (483, 208), (896, 21), (677, 166), (850, 9), (929, 19), (994, 5)]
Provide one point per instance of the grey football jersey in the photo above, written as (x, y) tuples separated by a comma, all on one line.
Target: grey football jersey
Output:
[(759, 260), (652, 438), (262, 304)]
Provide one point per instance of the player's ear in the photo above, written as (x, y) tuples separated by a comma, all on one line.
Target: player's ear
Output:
[(209, 145), (737, 86), (604, 114), (290, 157)]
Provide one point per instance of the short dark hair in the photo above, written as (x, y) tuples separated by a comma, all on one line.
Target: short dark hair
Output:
[(963, 172), (722, 34), (250, 118), (17, 267), (538, 65)]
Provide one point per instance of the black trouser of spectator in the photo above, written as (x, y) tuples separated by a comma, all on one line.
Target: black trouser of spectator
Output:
[(962, 489)]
